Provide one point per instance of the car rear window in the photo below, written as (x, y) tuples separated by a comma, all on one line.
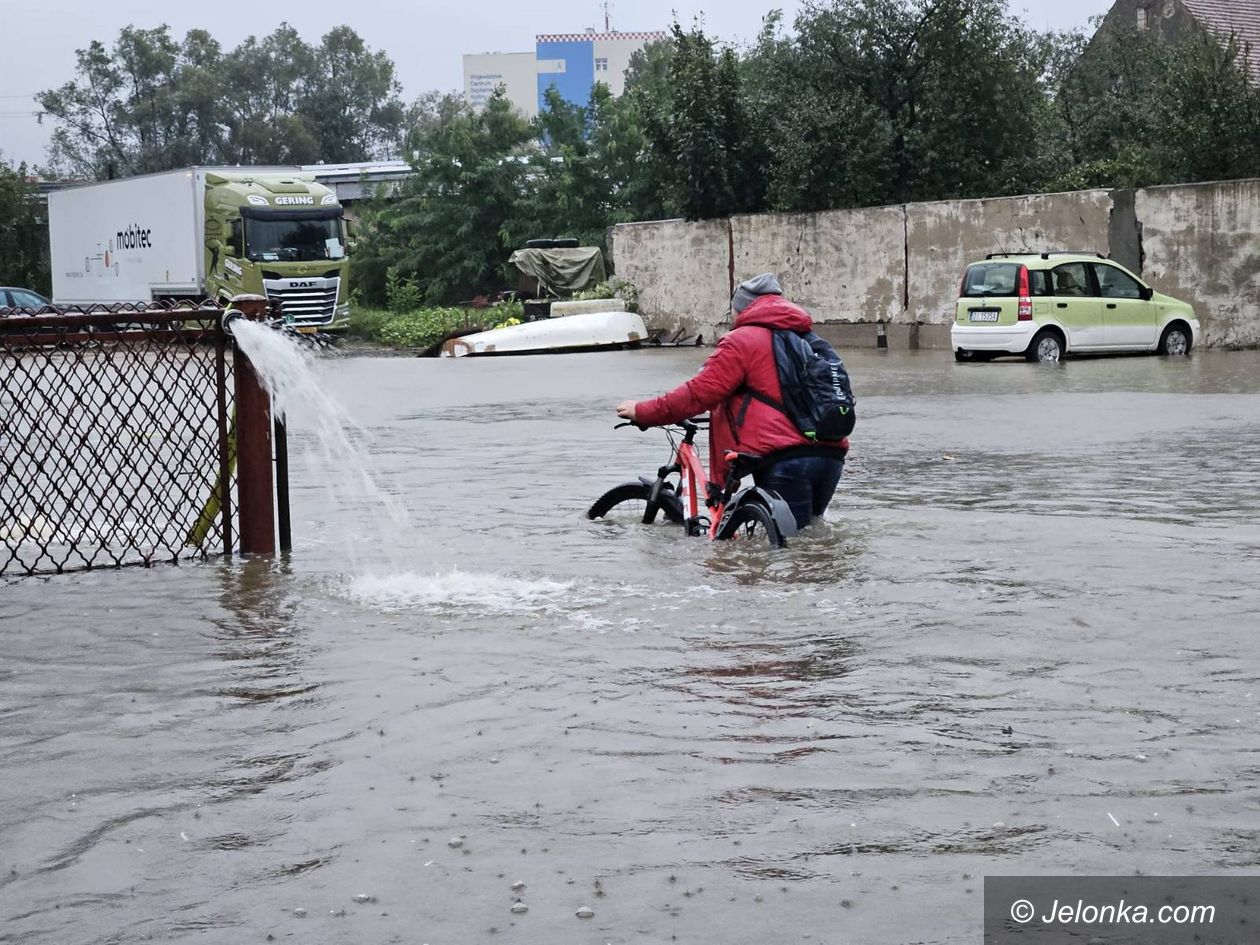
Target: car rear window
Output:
[(988, 279)]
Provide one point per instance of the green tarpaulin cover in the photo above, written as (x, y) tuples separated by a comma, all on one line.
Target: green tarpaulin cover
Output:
[(562, 271)]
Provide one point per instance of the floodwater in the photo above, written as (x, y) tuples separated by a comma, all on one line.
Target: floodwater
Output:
[(1024, 643)]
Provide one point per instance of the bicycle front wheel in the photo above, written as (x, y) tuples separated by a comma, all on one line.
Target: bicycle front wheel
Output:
[(753, 522), (630, 502)]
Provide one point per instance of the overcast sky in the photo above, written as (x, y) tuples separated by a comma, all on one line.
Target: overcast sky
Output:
[(425, 39)]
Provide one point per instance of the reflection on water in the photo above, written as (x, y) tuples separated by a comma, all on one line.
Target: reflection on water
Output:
[(1018, 645)]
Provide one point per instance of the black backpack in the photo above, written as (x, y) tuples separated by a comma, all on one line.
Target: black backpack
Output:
[(817, 395)]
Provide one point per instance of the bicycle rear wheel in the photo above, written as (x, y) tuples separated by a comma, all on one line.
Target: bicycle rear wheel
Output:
[(753, 522), (629, 502)]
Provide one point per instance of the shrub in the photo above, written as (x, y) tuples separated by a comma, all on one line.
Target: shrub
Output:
[(401, 295), (614, 288), (425, 327)]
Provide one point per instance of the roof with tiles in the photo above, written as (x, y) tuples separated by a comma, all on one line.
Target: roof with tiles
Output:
[(1241, 17)]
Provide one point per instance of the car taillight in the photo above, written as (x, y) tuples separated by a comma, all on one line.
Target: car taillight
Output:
[(1025, 296)]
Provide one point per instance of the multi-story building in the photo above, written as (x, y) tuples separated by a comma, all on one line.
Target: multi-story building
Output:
[(572, 62)]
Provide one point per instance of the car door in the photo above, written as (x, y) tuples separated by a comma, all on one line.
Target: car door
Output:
[(1129, 321), (1075, 306)]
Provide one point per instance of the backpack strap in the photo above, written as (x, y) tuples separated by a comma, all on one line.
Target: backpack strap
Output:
[(736, 420)]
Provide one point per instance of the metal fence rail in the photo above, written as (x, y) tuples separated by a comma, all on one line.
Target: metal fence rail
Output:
[(115, 437)]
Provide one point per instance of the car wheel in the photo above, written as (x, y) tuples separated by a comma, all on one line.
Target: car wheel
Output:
[(1175, 341), (1046, 347), (962, 355)]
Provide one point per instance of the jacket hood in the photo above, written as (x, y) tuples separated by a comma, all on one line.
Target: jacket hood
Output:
[(774, 311)]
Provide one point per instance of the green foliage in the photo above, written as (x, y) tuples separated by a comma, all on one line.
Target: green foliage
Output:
[(449, 228), (425, 327), (1141, 111), (614, 288), (698, 124), (23, 232), (401, 295), (152, 103)]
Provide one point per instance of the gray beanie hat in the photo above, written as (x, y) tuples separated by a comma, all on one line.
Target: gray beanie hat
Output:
[(748, 292)]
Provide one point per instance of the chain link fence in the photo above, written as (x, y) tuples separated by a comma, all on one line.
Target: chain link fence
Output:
[(116, 431)]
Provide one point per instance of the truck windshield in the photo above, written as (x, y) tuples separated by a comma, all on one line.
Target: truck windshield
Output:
[(292, 238)]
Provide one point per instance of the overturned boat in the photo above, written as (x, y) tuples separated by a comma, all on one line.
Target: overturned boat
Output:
[(573, 326)]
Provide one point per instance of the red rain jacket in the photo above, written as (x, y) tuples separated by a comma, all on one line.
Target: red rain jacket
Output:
[(743, 358)]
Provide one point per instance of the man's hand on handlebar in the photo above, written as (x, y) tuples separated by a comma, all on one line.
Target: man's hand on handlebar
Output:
[(626, 410)]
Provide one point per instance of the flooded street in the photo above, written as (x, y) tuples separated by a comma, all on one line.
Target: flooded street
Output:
[(1023, 643)]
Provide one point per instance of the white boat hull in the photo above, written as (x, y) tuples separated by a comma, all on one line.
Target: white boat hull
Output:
[(581, 332)]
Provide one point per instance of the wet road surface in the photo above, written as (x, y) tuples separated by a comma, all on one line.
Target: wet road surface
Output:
[(1023, 643)]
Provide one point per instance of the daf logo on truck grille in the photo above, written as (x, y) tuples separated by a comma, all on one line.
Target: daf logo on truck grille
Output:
[(301, 201), (294, 284)]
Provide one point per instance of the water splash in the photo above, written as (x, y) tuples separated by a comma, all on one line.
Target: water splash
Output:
[(288, 372), (488, 593)]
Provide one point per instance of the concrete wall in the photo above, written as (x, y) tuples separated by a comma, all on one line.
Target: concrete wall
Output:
[(942, 238), (890, 274), (681, 270), (843, 266), (1202, 245)]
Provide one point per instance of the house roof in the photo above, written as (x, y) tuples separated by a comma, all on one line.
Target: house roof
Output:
[(1241, 17)]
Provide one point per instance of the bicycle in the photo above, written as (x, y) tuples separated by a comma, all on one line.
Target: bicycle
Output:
[(731, 512)]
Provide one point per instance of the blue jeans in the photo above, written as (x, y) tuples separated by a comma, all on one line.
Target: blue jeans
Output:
[(806, 484)]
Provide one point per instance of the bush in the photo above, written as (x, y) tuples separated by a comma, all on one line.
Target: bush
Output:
[(614, 288), (401, 295), (425, 327)]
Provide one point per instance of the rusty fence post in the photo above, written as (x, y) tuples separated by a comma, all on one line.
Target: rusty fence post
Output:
[(254, 483)]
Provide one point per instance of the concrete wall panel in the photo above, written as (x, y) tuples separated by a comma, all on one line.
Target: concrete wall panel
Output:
[(1202, 245), (942, 238), (1198, 242), (842, 266), (681, 271)]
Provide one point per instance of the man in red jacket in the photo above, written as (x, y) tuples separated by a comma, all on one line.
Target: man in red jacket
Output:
[(807, 473)]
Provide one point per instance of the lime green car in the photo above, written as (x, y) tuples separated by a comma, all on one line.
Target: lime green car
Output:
[(1046, 305)]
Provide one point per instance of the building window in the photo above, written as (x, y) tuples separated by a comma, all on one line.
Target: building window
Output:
[(1143, 19), (601, 65)]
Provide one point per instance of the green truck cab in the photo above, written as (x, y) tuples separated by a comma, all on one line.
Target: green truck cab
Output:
[(282, 236)]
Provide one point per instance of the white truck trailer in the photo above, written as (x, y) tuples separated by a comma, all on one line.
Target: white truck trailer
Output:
[(204, 232)]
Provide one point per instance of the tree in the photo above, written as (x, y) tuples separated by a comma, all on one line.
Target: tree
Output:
[(883, 101), (1104, 102), (449, 228), (1142, 111), (688, 99), (150, 103), (351, 104), (643, 174), (264, 88), (1208, 114), (23, 232)]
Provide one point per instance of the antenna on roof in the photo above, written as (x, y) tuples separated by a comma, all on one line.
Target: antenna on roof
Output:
[(607, 21)]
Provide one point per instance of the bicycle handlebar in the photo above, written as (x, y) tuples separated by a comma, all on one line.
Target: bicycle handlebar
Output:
[(694, 422)]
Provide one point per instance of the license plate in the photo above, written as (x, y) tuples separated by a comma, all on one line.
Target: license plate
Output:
[(307, 330), (985, 315)]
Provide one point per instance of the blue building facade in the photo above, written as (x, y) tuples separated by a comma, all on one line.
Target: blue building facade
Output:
[(574, 62)]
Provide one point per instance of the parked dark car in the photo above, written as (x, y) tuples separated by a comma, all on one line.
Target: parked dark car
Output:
[(12, 297)]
